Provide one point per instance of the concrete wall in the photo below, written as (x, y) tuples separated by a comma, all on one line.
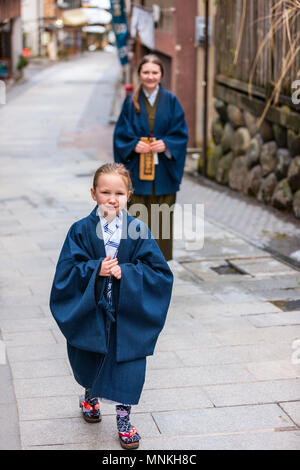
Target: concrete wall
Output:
[(31, 11)]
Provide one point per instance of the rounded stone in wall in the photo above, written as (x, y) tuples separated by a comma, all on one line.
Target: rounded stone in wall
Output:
[(293, 174), (235, 116), (238, 174), (296, 204), (284, 158), (254, 179), (241, 141), (221, 108), (217, 129), (267, 188), (293, 142), (224, 167), (280, 135), (268, 158), (254, 150), (266, 131), (227, 139), (251, 123), (282, 197)]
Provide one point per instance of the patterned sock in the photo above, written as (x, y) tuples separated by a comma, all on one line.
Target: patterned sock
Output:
[(90, 406), (127, 432), (88, 399)]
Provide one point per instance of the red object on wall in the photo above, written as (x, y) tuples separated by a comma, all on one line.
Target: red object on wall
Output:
[(128, 88), (26, 52)]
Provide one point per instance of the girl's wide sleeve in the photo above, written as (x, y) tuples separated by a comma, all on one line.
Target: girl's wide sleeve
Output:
[(73, 300), (145, 294)]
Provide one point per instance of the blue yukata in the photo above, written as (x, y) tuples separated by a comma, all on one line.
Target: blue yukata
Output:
[(111, 325), (169, 125)]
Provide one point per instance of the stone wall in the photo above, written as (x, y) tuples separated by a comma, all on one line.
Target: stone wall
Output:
[(260, 162)]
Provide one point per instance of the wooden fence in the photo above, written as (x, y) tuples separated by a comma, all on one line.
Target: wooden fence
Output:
[(241, 26)]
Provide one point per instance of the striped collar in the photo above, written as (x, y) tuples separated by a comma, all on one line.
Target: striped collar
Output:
[(114, 224)]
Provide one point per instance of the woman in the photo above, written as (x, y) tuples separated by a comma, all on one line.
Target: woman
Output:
[(153, 112)]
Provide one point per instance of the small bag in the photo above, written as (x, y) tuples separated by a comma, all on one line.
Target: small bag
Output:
[(147, 165)]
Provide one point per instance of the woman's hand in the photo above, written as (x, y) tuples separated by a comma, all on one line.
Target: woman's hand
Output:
[(158, 146), (142, 147), (107, 266)]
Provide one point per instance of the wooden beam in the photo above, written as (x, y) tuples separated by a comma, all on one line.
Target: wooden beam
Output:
[(289, 119)]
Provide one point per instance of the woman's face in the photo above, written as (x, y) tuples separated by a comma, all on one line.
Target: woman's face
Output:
[(150, 76)]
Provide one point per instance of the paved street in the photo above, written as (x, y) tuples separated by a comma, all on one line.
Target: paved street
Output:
[(226, 373)]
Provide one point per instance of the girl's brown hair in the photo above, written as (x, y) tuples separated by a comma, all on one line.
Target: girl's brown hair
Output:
[(116, 168), (149, 58)]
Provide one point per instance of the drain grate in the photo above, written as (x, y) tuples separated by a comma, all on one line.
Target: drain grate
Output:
[(287, 305), (227, 269)]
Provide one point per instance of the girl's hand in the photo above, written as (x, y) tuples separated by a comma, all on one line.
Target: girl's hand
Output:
[(158, 146), (142, 147), (107, 265), (116, 272)]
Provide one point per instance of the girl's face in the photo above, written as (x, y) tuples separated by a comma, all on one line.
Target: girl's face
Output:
[(150, 76), (111, 194)]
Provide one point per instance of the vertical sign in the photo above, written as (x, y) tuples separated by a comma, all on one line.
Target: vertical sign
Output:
[(120, 27)]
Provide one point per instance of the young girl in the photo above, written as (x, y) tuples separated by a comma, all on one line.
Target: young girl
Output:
[(110, 296)]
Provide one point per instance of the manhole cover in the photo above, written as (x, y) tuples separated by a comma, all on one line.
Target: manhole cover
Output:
[(287, 305)]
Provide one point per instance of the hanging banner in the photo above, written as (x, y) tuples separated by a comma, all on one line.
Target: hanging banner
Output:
[(120, 28), (142, 21)]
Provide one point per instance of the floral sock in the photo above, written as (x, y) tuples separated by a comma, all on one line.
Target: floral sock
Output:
[(127, 432), (90, 406), (91, 401)]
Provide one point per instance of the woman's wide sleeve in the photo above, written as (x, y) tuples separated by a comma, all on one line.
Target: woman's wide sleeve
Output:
[(176, 140), (125, 138)]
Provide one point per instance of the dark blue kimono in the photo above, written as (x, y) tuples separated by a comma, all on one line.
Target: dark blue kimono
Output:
[(169, 125), (108, 344)]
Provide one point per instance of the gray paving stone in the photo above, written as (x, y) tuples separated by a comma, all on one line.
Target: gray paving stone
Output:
[(173, 399), (46, 387), (169, 342), (76, 430), (164, 360), (219, 420), (264, 267), (275, 319), (35, 369), (231, 355), (230, 309), (28, 338), (292, 409), (254, 335), (40, 408), (195, 376), (274, 370), (264, 440), (38, 352), (26, 325), (9, 427), (21, 312), (252, 393)]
